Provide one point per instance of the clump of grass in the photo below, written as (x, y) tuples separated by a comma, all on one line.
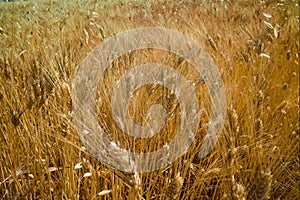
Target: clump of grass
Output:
[(257, 155)]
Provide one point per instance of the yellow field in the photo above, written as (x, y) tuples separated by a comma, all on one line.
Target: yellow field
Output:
[(254, 44)]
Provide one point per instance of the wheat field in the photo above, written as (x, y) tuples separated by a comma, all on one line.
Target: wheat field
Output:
[(255, 46)]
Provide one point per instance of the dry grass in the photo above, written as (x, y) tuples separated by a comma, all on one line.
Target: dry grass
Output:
[(257, 155)]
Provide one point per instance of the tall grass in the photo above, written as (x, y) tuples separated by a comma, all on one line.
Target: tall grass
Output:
[(257, 155)]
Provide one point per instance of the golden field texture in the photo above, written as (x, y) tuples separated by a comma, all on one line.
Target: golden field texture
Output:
[(254, 44)]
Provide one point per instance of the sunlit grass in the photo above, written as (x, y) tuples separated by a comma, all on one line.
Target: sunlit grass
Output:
[(41, 46)]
